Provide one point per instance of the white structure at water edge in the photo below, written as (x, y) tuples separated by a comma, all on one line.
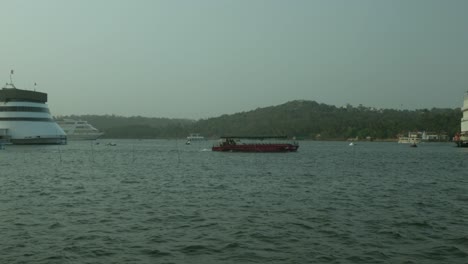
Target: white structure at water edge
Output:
[(461, 139), (412, 138), (25, 117), (464, 120)]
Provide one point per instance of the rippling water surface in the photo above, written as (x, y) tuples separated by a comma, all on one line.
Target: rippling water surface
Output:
[(160, 201)]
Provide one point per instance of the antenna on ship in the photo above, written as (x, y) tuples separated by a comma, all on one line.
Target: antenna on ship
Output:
[(11, 79)]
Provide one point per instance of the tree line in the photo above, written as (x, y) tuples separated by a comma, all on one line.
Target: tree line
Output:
[(302, 119)]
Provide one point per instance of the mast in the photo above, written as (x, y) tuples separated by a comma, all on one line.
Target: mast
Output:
[(11, 81), (11, 78)]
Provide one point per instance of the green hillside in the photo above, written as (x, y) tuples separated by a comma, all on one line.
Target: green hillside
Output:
[(303, 119)]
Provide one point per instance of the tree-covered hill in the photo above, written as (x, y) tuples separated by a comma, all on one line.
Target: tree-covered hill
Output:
[(303, 119), (309, 119)]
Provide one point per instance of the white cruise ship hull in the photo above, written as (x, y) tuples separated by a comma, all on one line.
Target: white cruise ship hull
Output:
[(30, 127), (83, 136), (409, 140), (40, 140), (461, 139)]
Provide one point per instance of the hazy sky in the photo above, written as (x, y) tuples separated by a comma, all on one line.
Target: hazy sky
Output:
[(204, 58)]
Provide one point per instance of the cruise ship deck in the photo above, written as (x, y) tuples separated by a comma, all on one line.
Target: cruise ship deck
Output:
[(26, 119)]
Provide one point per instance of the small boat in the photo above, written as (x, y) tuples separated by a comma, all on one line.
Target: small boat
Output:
[(414, 145), (256, 144)]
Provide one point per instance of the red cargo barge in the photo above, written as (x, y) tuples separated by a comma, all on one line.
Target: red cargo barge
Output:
[(255, 144)]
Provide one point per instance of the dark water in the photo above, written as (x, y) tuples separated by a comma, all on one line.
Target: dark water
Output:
[(164, 202)]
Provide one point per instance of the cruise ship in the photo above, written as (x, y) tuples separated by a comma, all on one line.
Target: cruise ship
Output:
[(79, 130), (25, 117), (461, 139)]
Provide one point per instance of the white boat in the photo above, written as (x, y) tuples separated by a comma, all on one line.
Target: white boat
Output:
[(195, 137), (79, 129), (25, 117), (412, 138)]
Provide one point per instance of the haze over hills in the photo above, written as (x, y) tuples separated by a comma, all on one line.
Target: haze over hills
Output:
[(303, 119)]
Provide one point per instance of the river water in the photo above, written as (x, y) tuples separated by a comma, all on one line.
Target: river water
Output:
[(161, 201)]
